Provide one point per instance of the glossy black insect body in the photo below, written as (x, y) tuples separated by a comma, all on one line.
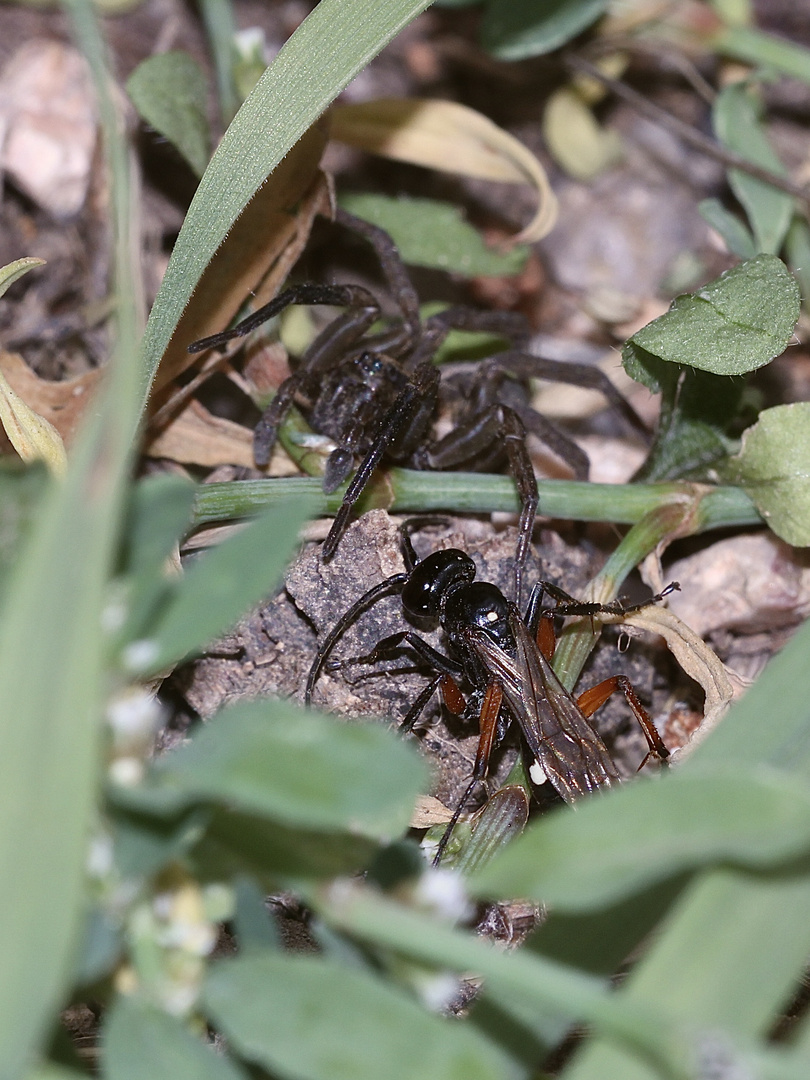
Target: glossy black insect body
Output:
[(497, 654), (376, 394)]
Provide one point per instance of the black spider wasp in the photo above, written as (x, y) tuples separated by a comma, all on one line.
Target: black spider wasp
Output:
[(377, 394), (505, 658)]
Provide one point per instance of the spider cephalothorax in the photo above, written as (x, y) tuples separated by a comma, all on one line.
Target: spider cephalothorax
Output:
[(376, 394)]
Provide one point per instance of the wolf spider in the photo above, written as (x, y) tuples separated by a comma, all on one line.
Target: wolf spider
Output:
[(376, 394)]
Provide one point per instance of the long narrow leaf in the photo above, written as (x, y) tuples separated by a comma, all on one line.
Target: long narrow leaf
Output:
[(329, 48), (50, 665)]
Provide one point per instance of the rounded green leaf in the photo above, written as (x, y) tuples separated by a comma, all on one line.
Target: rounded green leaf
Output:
[(142, 1043), (773, 467), (733, 325), (434, 234), (169, 91), (515, 29), (615, 844), (308, 1018), (276, 760)]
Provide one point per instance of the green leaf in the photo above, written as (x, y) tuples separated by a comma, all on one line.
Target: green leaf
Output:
[(101, 947), (294, 91), (220, 586), (51, 1071), (733, 325), (731, 953), (277, 855), (253, 926), (144, 843), (515, 29), (13, 271), (695, 426), (435, 234), (722, 967), (642, 832), (773, 467), (764, 50), (736, 236), (21, 490), (220, 27), (51, 647), (274, 759), (142, 1043), (798, 256), (160, 511), (310, 1019), (170, 92), (159, 514), (738, 126), (552, 992)]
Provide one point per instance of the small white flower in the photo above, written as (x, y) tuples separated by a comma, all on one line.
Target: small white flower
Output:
[(100, 856), (250, 42), (438, 989), (126, 771), (134, 715), (140, 656), (113, 616), (443, 892)]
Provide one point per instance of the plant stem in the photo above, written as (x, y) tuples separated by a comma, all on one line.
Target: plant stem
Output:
[(408, 491)]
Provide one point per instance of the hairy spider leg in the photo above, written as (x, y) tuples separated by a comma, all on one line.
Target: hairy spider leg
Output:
[(416, 400), (497, 426)]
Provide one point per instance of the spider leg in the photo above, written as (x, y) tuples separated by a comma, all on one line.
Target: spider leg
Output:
[(352, 296), (328, 347), (419, 394), (506, 324), (399, 283), (496, 424), (523, 365)]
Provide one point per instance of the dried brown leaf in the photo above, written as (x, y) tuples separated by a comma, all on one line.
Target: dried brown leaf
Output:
[(451, 137)]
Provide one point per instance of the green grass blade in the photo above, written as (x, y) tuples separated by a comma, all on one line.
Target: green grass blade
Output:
[(50, 662), (328, 49)]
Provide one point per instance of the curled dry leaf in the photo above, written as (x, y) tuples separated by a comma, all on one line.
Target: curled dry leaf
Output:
[(429, 811), (59, 404), (261, 248), (695, 658), (447, 136), (197, 437), (31, 435)]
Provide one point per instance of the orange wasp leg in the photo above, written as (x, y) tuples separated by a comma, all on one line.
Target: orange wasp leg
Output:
[(592, 699), (487, 726)]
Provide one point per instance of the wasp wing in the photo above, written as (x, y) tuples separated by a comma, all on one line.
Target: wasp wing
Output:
[(566, 747)]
